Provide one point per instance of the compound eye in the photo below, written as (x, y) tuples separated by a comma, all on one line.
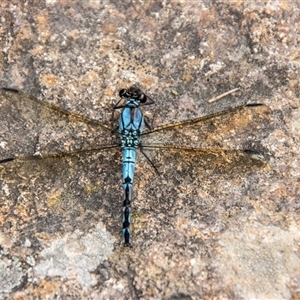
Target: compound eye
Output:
[(123, 93), (142, 98)]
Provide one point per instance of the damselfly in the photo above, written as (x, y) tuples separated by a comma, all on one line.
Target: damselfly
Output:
[(34, 114)]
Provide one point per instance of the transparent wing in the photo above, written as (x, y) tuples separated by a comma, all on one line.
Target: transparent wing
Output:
[(52, 193), (186, 161), (29, 125), (224, 142), (236, 128)]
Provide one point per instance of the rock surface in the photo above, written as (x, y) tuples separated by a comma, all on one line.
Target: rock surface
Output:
[(215, 224)]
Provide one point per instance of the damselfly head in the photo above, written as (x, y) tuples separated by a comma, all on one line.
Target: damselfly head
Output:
[(134, 93)]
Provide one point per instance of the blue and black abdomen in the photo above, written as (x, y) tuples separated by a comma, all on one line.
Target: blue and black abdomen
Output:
[(130, 128)]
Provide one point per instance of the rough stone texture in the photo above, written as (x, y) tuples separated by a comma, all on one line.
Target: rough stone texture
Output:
[(214, 225)]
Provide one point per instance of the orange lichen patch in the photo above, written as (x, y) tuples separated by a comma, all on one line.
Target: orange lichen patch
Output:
[(43, 289), (148, 81), (49, 80), (24, 33), (38, 50), (208, 15), (187, 76), (21, 211), (249, 15), (2, 218), (42, 20), (106, 45), (109, 91), (194, 232), (74, 34), (43, 27), (43, 236), (4, 4), (285, 5), (89, 77), (108, 27)]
